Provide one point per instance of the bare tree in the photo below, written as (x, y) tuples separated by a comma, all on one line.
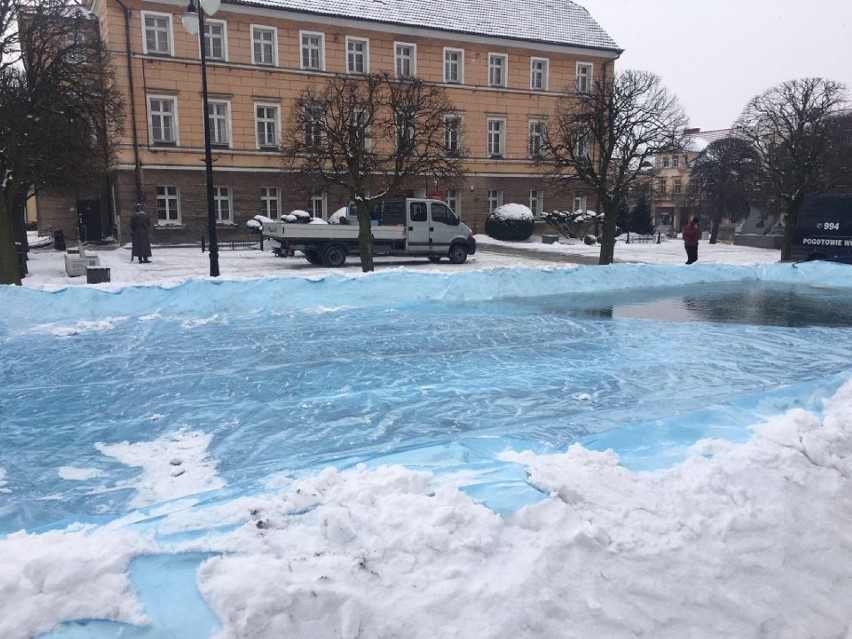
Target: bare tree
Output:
[(372, 135), (725, 177), (791, 128), (608, 136), (59, 110)]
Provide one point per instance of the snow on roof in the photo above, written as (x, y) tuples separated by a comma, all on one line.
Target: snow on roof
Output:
[(554, 21), (699, 140)]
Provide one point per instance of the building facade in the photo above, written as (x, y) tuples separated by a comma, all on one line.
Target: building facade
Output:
[(503, 64)]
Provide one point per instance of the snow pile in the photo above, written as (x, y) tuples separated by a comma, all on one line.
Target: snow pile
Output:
[(339, 216)]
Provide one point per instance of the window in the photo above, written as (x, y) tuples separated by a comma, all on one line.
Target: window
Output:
[(264, 45), (270, 205), (312, 123), (497, 63), (405, 133), (666, 161), (451, 197), (536, 138), (678, 187), (162, 120), (313, 45), (220, 130), (495, 199), (266, 123), (157, 33), (168, 209), (214, 40), (317, 205), (406, 59), (441, 214), (584, 77), (222, 203), (538, 74), (536, 202), (675, 161), (580, 203), (452, 133), (454, 66), (582, 135), (663, 188), (417, 212), (495, 138), (357, 55)]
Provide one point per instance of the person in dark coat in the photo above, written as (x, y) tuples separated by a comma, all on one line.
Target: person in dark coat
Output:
[(691, 235), (140, 226)]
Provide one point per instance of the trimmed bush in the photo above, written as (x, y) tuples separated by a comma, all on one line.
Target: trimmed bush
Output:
[(510, 223)]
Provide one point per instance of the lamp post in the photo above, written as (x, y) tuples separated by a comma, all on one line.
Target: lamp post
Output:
[(193, 22)]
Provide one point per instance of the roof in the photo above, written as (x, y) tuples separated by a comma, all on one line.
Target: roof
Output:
[(697, 141), (559, 22)]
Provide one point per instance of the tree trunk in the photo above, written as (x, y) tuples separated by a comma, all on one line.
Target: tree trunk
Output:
[(714, 228), (9, 273), (608, 236), (365, 236), (790, 227)]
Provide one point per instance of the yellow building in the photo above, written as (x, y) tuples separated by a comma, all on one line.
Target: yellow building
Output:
[(504, 65)]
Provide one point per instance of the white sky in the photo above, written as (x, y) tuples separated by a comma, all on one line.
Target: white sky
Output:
[(717, 55)]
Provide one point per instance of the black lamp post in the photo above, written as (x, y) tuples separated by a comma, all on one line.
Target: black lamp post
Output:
[(193, 22)]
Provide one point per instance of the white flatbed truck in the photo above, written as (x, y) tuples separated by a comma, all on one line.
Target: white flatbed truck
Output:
[(414, 226)]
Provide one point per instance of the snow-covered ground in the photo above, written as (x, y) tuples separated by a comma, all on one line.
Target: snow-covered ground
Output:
[(746, 537)]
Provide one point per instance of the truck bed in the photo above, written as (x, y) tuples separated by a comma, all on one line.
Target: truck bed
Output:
[(320, 232)]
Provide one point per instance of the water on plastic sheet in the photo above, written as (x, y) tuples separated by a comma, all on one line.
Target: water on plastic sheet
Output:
[(286, 390)]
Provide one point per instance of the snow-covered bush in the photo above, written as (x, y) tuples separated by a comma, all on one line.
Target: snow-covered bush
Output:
[(578, 224), (256, 223), (339, 216), (510, 223)]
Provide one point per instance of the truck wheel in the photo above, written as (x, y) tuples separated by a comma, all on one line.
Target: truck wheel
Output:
[(334, 256), (313, 256), (458, 253), (434, 259)]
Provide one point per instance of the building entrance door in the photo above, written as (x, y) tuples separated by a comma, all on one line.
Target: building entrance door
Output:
[(89, 220)]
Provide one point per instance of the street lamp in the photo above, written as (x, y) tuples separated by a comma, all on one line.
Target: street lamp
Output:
[(193, 22)]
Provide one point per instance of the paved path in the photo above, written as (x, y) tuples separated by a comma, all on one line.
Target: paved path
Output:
[(562, 258)]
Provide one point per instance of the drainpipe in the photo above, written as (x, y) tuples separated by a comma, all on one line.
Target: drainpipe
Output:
[(137, 162)]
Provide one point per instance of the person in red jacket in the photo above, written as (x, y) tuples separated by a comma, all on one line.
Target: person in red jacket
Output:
[(691, 235)]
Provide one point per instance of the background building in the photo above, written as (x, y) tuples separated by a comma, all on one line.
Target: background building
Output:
[(504, 65)]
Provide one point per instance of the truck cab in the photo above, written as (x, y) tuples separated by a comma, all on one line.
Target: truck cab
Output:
[(823, 229)]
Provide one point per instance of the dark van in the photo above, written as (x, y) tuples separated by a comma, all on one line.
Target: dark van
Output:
[(823, 229)]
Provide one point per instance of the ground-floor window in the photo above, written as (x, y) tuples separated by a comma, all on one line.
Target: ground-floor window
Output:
[(495, 199), (168, 205), (580, 203), (223, 204), (536, 202), (318, 206), (451, 197), (269, 202)]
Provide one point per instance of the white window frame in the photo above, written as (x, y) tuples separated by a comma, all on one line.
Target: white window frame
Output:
[(315, 131), (583, 81), (254, 28), (276, 122), (454, 132), (581, 203), (169, 193), (496, 131), (174, 114), (225, 119), (502, 67), (666, 161), (459, 64), (269, 196), (351, 55), (544, 72), (536, 202), (223, 195), (208, 51), (170, 33), (495, 200), (412, 59), (677, 187), (322, 200), (533, 134), (452, 197), (310, 48)]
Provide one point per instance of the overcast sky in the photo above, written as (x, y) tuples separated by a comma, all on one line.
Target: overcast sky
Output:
[(717, 55)]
